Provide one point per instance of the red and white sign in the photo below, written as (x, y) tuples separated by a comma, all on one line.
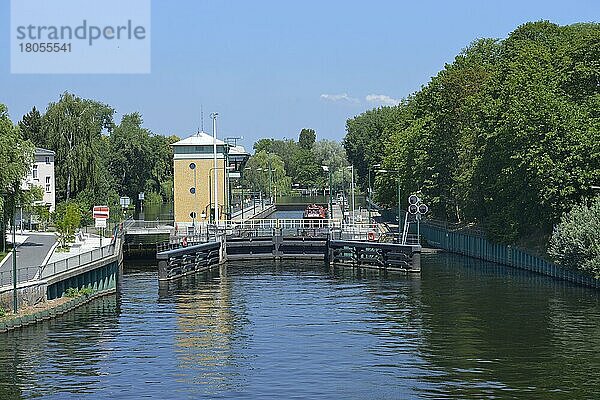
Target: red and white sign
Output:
[(101, 212)]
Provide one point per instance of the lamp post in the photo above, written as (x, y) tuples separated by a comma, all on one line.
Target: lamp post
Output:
[(370, 190), (14, 247), (210, 191), (215, 166), (328, 170), (384, 171), (14, 258)]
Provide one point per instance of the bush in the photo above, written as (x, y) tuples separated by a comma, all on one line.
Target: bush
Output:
[(73, 292), (575, 242), (2, 312)]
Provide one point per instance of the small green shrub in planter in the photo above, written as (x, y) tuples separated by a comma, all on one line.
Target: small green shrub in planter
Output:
[(2, 312)]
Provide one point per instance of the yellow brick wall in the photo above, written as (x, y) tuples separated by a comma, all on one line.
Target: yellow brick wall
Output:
[(183, 179)]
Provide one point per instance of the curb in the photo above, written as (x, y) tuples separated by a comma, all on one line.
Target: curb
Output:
[(46, 259)]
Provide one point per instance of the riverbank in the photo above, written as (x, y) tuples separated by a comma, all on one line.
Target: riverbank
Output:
[(47, 310), (472, 243)]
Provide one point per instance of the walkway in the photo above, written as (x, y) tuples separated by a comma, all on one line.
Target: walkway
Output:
[(88, 244), (250, 211), (31, 253)]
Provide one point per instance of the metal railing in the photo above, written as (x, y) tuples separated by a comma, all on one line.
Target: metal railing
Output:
[(286, 227), (24, 274), (76, 260), (34, 273)]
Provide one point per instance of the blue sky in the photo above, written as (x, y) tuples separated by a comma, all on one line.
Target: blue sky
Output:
[(271, 68)]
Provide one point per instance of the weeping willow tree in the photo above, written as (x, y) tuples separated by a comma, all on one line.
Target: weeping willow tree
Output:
[(258, 177), (72, 128)]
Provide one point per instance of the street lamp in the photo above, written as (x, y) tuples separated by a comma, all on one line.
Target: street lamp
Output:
[(210, 200), (385, 171), (214, 118), (328, 170), (370, 190)]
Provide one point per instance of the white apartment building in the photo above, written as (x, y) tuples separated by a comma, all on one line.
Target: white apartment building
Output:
[(42, 175)]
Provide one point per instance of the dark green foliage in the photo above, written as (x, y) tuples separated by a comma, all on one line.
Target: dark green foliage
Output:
[(16, 156), (575, 242), (31, 127), (302, 160), (96, 161), (307, 139), (73, 128), (507, 136), (74, 292)]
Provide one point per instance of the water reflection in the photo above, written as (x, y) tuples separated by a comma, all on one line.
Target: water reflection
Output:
[(462, 329), (35, 360), (208, 331), (492, 331)]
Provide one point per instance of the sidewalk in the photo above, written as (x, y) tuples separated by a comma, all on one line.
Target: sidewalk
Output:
[(88, 244), (33, 249), (249, 212)]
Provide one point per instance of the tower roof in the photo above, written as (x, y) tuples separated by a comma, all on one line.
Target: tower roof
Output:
[(198, 139)]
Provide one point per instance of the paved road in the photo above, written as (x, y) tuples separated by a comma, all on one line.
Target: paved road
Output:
[(30, 254)]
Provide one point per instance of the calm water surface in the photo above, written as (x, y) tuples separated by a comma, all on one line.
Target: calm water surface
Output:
[(463, 329)]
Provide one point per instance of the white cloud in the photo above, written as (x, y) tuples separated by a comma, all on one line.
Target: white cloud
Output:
[(382, 99), (339, 97)]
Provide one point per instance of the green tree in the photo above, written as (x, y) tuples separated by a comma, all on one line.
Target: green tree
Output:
[(129, 141), (67, 218), (16, 157), (332, 154), (505, 136), (575, 242), (31, 128), (257, 175), (307, 138), (73, 127)]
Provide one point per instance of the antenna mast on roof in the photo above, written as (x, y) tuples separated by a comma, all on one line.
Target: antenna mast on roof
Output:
[(202, 117)]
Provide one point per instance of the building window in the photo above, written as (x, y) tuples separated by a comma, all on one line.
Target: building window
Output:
[(47, 179), (35, 172), (48, 188), (47, 160)]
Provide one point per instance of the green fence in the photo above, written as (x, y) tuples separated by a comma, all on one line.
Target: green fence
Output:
[(479, 247)]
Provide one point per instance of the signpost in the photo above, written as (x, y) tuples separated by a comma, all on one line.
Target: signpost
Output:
[(416, 208), (124, 201), (101, 214), (141, 199)]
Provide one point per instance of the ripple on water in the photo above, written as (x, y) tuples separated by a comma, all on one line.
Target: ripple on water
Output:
[(463, 329)]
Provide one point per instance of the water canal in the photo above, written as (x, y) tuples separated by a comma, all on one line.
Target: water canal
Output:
[(463, 329)]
